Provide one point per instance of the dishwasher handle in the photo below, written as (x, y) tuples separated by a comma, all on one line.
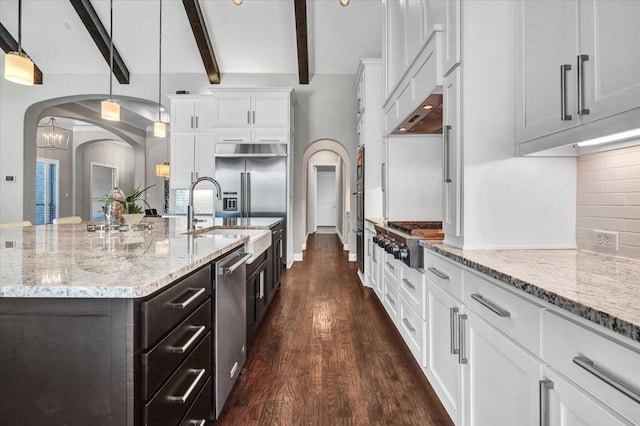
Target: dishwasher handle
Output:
[(242, 259)]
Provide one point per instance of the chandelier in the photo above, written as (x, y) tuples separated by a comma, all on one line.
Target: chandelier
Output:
[(52, 136)]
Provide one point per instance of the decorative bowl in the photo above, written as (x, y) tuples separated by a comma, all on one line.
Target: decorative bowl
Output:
[(132, 218)]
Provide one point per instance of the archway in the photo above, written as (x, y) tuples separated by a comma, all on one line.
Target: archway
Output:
[(345, 162)]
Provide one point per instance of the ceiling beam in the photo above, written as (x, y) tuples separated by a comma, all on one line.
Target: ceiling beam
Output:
[(300, 7), (100, 36), (200, 33), (9, 44)]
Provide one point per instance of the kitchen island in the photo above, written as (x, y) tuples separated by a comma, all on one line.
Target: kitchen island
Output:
[(110, 328)]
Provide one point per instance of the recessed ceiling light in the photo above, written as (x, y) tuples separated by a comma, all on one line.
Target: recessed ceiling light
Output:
[(402, 129), (427, 106)]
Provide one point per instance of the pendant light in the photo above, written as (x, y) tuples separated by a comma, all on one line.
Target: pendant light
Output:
[(237, 2), (18, 68), (109, 109), (159, 127), (52, 136), (344, 2)]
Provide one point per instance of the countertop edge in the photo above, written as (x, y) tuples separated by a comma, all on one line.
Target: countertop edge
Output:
[(611, 322)]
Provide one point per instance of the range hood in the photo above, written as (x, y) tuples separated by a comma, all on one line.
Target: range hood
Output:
[(425, 119)]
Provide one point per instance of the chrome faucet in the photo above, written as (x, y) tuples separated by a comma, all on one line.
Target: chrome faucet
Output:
[(191, 222)]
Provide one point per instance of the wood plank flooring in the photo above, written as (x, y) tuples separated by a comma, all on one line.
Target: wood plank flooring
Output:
[(327, 354)]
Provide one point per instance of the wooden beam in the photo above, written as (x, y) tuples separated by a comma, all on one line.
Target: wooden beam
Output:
[(9, 44), (100, 36), (200, 33), (300, 7)]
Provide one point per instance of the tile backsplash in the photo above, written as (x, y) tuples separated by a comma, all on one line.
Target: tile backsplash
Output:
[(609, 199)]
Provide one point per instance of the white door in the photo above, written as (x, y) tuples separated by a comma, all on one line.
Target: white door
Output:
[(326, 198)]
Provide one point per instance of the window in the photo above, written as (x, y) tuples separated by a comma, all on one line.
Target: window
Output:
[(46, 190)]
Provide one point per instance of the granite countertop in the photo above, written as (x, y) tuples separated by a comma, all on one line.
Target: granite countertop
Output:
[(232, 222), (67, 261), (603, 289)]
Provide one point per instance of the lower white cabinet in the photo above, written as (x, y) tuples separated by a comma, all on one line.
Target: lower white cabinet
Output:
[(390, 296), (377, 282), (501, 378), (369, 233)]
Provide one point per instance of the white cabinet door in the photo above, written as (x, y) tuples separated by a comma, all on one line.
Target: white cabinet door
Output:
[(182, 159), (205, 113), (204, 159), (193, 113), (452, 157), (270, 110), (444, 371), (609, 35), (502, 378), (451, 51), (547, 34), (182, 115), (376, 265), (565, 404), (415, 19), (234, 109)]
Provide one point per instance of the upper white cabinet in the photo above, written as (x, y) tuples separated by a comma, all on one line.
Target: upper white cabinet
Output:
[(451, 44), (576, 70), (452, 158), (191, 157), (193, 113), (264, 108)]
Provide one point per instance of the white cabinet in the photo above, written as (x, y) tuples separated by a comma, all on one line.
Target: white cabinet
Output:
[(390, 297), (412, 315), (452, 28), (192, 156), (267, 108), (192, 113), (369, 233), (577, 65), (377, 281), (502, 379), (452, 158)]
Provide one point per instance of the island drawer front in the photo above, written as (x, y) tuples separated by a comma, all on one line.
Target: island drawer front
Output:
[(390, 268), (166, 408), (200, 411), (165, 357), (517, 317), (390, 301), (414, 331), (567, 343), (413, 287), (446, 274), (164, 311)]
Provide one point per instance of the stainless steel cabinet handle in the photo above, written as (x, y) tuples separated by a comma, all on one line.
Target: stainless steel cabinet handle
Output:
[(490, 305), (408, 324), (243, 257), (393, 302), (182, 305), (543, 386), (453, 312), (588, 365), (390, 266), (197, 122), (462, 319), (262, 285), (408, 284), (191, 122), (192, 179), (446, 175), (185, 397), (254, 117), (383, 172), (438, 273), (581, 109), (563, 92), (248, 117), (184, 348), (248, 188), (243, 208), (368, 247)]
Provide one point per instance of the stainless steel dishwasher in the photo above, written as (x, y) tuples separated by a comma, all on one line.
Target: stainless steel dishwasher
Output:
[(230, 323)]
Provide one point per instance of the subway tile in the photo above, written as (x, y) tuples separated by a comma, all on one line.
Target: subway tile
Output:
[(614, 224), (603, 199), (590, 211), (633, 225), (630, 185), (633, 172), (633, 199), (592, 188), (622, 212), (629, 251), (603, 175), (590, 222), (629, 239)]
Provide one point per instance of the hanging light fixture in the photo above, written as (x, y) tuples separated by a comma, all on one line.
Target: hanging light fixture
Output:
[(52, 136), (344, 2), (109, 109), (159, 127), (18, 68), (237, 2)]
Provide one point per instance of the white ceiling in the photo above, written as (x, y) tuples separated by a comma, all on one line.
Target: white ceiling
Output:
[(256, 37)]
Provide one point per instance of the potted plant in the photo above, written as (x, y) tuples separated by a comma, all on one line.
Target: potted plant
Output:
[(126, 208)]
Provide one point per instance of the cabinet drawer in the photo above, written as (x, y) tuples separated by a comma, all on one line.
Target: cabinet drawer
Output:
[(162, 360), (413, 329), (390, 267), (200, 411), (600, 364), (167, 309), (270, 135), (180, 391), (445, 273), (517, 317), (390, 301), (231, 136), (413, 287)]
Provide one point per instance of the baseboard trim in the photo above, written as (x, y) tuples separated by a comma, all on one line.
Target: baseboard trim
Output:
[(339, 236), (353, 257), (297, 257), (304, 246)]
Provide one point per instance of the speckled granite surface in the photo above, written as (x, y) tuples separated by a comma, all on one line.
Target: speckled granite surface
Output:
[(600, 288), (67, 261)]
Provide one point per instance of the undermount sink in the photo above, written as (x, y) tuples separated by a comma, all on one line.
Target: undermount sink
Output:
[(259, 239)]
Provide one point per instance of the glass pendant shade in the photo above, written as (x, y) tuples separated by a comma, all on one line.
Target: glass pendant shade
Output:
[(110, 110), (18, 68), (159, 129), (52, 136), (162, 170), (344, 2), (238, 2)]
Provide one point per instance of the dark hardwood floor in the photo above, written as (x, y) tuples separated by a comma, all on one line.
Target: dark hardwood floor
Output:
[(327, 354)]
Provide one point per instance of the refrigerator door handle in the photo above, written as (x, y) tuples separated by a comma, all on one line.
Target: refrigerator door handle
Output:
[(248, 188), (242, 195)]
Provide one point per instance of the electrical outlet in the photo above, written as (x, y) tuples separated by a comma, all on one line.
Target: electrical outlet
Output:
[(605, 239)]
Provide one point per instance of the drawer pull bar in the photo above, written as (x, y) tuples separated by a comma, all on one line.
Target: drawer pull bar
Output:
[(543, 386), (390, 266), (588, 365), (408, 324), (182, 305), (243, 257), (490, 305), (438, 273), (201, 422), (462, 359), (393, 302), (453, 312), (184, 398), (184, 348), (408, 284)]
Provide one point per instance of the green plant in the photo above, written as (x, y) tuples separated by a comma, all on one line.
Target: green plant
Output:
[(129, 205)]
